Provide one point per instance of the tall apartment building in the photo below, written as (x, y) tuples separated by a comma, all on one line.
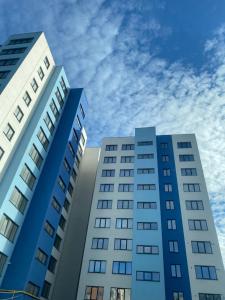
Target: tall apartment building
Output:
[(42, 140), (151, 234)]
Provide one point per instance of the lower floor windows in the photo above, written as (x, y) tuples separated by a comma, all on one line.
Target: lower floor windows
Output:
[(32, 288), (122, 267), (97, 266), (46, 289), (178, 296), (147, 276), (94, 293), (120, 294), (206, 272), (203, 296), (3, 259)]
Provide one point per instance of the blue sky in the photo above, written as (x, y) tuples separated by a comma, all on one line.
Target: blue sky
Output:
[(142, 63)]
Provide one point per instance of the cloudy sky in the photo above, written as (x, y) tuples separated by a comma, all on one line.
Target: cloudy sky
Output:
[(142, 63)]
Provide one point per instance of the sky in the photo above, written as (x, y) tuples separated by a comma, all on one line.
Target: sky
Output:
[(142, 63)]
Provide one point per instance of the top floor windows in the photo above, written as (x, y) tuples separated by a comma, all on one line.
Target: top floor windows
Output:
[(145, 156), (145, 143), (186, 157), (188, 172), (63, 86), (184, 145), (127, 159), (110, 147), (127, 147), (163, 145), (79, 123), (54, 109), (59, 97), (109, 159), (20, 41)]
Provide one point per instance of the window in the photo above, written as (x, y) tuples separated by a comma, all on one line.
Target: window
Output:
[(145, 171), (100, 243), (125, 187), (59, 97), (46, 289), (74, 174), (36, 156), (202, 247), (56, 205), (191, 187), (82, 138), (4, 74), (3, 259), (94, 293), (12, 51), (97, 266), (57, 242), (70, 147), (28, 177), (122, 244), (43, 139), (34, 85), (147, 226), (1, 153), (122, 267), (80, 150), (166, 172), (165, 158), (124, 223), (145, 143), (163, 145), (62, 222), (173, 246), (147, 276), (146, 187), (127, 147), (126, 172), (46, 62), (70, 189), (147, 249), (52, 264), (77, 162), (49, 123), (108, 173), (168, 187), (169, 204), (186, 157), (32, 288), (18, 114), (184, 145), (66, 165), (106, 187), (203, 296), (82, 111), (188, 172), (41, 73), (8, 228), (66, 205), (18, 200), (125, 204), (102, 222), (197, 225), (109, 159), (79, 123), (145, 156), (41, 256), (120, 294), (8, 62), (147, 205), (27, 98), (194, 205), (20, 41), (54, 109), (178, 296), (9, 132), (63, 86), (171, 224), (104, 204), (127, 159), (175, 271), (110, 147), (62, 184), (205, 272), (49, 228)]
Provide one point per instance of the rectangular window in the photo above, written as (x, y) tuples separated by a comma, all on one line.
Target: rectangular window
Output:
[(108, 173), (20, 41), (79, 123), (102, 222), (147, 276), (94, 293), (8, 62), (18, 200), (66, 205), (111, 148), (104, 204), (4, 74), (43, 139), (59, 97), (184, 145), (52, 264), (28, 177), (109, 159), (147, 226), (34, 85), (12, 51), (125, 187), (169, 204), (49, 228), (205, 272), (74, 174), (27, 98), (123, 244), (203, 296), (36, 156), (54, 109), (62, 222), (32, 288), (191, 187), (3, 259), (82, 139), (82, 111), (46, 289), (147, 249), (41, 73), (124, 204), (124, 223), (175, 271), (70, 189), (70, 147), (126, 172), (18, 114), (100, 243), (197, 225), (203, 247), (147, 205), (1, 153), (127, 159), (171, 224), (146, 187), (188, 172), (66, 165), (106, 187), (178, 296), (145, 143), (46, 62), (163, 145), (62, 184), (9, 132), (164, 158), (97, 266), (145, 171), (49, 123), (186, 157), (8, 228), (57, 242), (127, 147), (120, 294), (168, 187), (145, 156), (56, 205), (77, 161), (63, 86), (166, 172), (122, 267), (41, 256), (194, 205), (173, 246)]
